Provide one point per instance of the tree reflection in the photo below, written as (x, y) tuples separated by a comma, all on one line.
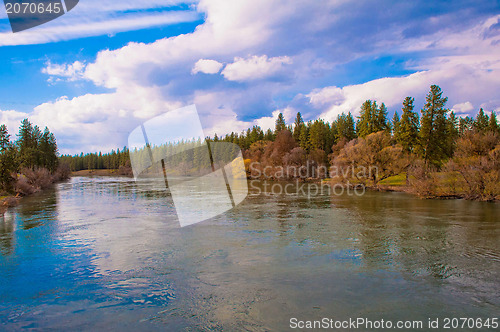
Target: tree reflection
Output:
[(7, 228)]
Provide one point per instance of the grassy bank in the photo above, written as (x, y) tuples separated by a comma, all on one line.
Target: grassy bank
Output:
[(440, 185)]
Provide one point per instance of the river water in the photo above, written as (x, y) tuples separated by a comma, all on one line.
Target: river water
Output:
[(104, 253)]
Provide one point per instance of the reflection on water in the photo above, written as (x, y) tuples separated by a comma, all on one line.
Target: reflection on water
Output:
[(102, 253)]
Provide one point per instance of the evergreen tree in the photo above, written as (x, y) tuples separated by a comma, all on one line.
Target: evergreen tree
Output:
[(7, 160), (27, 144), (304, 138), (380, 118), (280, 123), (481, 122), (395, 124), (318, 136), (365, 125), (299, 122), (493, 124), (345, 127), (269, 136), (464, 125), (47, 150), (433, 143), (4, 138), (407, 132), (451, 133)]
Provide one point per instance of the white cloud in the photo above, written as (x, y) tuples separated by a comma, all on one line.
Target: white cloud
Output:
[(12, 119), (466, 84), (331, 95), (148, 79), (95, 24), (206, 66), (255, 67), (463, 108), (99, 122), (71, 72)]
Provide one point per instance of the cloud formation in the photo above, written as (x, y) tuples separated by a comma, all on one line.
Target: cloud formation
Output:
[(96, 18), (206, 66), (255, 67), (279, 59)]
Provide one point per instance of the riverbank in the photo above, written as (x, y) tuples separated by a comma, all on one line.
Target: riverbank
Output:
[(29, 182), (439, 186), (123, 171)]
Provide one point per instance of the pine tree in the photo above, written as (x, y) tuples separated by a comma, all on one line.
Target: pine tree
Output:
[(4, 139), (481, 122), (395, 124), (365, 125), (433, 143), (318, 136), (47, 150), (345, 127), (451, 134), (465, 125), (7, 160), (380, 119), (304, 138), (493, 124), (407, 132), (27, 144), (280, 123), (297, 127)]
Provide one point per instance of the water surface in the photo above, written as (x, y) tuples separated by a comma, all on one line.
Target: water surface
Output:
[(105, 253)]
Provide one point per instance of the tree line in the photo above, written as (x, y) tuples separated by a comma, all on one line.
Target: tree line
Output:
[(440, 154), (432, 134), (33, 149), (416, 143), (93, 161)]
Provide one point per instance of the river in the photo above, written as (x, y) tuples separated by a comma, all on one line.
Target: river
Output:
[(104, 253)]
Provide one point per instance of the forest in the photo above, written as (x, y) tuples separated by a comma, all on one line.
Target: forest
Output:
[(30, 163), (433, 153)]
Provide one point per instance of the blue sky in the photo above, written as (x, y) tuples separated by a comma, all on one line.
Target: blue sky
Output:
[(97, 72)]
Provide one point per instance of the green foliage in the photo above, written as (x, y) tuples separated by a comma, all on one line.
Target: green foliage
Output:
[(7, 159), (92, 161), (451, 134), (344, 127), (320, 136), (304, 138), (365, 124), (406, 132), (433, 147), (280, 123), (297, 127), (481, 122), (493, 124), (33, 149), (465, 125), (395, 124), (381, 119), (372, 119)]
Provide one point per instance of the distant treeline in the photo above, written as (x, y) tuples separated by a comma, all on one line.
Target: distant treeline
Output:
[(92, 161), (29, 163), (417, 144)]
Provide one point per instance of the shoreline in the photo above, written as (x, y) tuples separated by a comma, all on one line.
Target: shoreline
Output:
[(98, 172), (408, 190), (383, 188)]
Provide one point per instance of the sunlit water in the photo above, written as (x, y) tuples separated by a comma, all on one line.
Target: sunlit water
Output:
[(104, 254)]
